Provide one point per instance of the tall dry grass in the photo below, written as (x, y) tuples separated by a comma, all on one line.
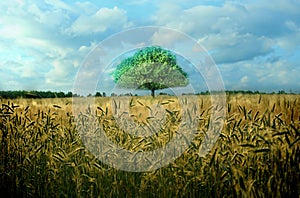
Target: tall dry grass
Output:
[(256, 155)]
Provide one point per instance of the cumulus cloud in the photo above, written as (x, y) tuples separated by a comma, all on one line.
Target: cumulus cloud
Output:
[(255, 43), (100, 21), (58, 4), (236, 32), (198, 20), (20, 74), (166, 37), (260, 74), (36, 33), (290, 41), (245, 79), (234, 47), (61, 74)]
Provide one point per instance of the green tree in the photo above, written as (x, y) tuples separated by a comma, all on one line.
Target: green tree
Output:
[(69, 94), (60, 94), (151, 68), (98, 94)]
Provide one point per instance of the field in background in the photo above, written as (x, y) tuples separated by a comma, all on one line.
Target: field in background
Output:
[(256, 155)]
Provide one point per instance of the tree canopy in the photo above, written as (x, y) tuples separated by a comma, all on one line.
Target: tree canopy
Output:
[(151, 68)]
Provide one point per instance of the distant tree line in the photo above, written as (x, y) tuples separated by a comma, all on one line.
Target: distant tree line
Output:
[(256, 92), (238, 92), (35, 94), (51, 94), (44, 94)]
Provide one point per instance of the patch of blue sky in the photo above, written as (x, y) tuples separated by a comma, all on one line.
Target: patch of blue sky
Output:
[(295, 56)]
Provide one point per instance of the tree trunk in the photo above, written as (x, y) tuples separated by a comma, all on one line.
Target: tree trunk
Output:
[(153, 92)]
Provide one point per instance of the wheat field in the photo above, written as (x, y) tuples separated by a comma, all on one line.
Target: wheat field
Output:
[(257, 153)]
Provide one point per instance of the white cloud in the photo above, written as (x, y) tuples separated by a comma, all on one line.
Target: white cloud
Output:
[(49, 18), (198, 20), (61, 74), (280, 72), (43, 43), (21, 68), (236, 31), (244, 80), (13, 28), (103, 19), (85, 8), (290, 41), (137, 2), (233, 47), (166, 37), (59, 5), (261, 75), (34, 46)]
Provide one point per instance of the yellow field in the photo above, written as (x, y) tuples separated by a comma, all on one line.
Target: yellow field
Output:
[(256, 155)]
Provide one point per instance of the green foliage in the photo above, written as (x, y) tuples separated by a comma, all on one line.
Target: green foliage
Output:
[(151, 68), (35, 94), (98, 94)]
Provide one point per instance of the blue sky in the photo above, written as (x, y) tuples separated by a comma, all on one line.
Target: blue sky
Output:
[(255, 44)]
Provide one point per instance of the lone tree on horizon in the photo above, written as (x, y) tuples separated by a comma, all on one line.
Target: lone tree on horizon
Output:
[(151, 68)]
